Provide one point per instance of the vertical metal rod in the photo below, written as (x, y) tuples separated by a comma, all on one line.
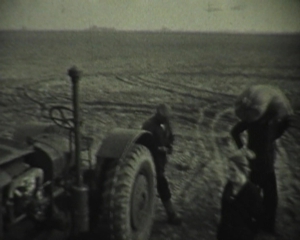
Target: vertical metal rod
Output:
[(80, 193), (74, 73)]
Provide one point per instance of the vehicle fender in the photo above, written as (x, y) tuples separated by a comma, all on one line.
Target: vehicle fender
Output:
[(119, 141), (51, 155), (33, 129), (115, 146)]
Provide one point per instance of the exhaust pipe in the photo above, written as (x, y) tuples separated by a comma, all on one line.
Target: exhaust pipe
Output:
[(79, 190)]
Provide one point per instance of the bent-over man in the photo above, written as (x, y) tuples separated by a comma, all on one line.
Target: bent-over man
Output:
[(265, 116)]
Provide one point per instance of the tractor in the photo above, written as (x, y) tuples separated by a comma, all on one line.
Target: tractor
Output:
[(45, 180)]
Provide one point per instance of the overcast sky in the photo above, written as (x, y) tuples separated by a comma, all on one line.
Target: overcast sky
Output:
[(191, 15)]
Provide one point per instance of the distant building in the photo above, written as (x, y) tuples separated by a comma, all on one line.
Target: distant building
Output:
[(95, 28), (165, 29)]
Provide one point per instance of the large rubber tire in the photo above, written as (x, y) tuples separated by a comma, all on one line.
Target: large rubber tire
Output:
[(129, 195)]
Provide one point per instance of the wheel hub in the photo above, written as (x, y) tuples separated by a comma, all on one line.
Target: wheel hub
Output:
[(140, 202)]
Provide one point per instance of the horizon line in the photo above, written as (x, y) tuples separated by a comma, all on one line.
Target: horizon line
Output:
[(162, 30)]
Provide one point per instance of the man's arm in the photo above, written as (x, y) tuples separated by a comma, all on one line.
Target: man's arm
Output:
[(167, 137), (169, 133), (171, 139), (281, 126), (236, 132)]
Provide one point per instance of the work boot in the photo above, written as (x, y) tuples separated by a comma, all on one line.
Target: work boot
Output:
[(173, 218)]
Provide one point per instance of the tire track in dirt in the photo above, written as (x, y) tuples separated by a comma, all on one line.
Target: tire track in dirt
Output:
[(191, 87), (34, 96), (212, 180), (288, 207), (120, 107), (216, 142), (198, 166), (33, 106), (289, 157), (135, 81), (184, 90), (216, 145), (25, 92)]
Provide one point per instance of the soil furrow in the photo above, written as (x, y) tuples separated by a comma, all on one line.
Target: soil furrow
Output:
[(288, 207), (189, 87), (198, 166)]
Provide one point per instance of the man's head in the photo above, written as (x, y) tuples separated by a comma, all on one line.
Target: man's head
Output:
[(252, 103), (163, 112), (262, 102)]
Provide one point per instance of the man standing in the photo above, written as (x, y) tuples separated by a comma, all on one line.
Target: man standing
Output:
[(264, 114), (159, 126)]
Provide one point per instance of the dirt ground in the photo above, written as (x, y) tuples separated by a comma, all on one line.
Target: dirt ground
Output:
[(203, 115)]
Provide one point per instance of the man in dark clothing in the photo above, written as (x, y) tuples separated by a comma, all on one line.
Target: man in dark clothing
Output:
[(241, 204), (262, 135), (159, 126), (240, 213)]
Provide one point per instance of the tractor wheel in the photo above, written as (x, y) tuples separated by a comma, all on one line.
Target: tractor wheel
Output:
[(129, 195)]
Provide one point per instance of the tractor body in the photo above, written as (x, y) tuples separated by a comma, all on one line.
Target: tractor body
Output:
[(45, 180)]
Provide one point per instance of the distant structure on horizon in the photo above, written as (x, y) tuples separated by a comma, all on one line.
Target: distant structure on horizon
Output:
[(95, 28), (165, 29)]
